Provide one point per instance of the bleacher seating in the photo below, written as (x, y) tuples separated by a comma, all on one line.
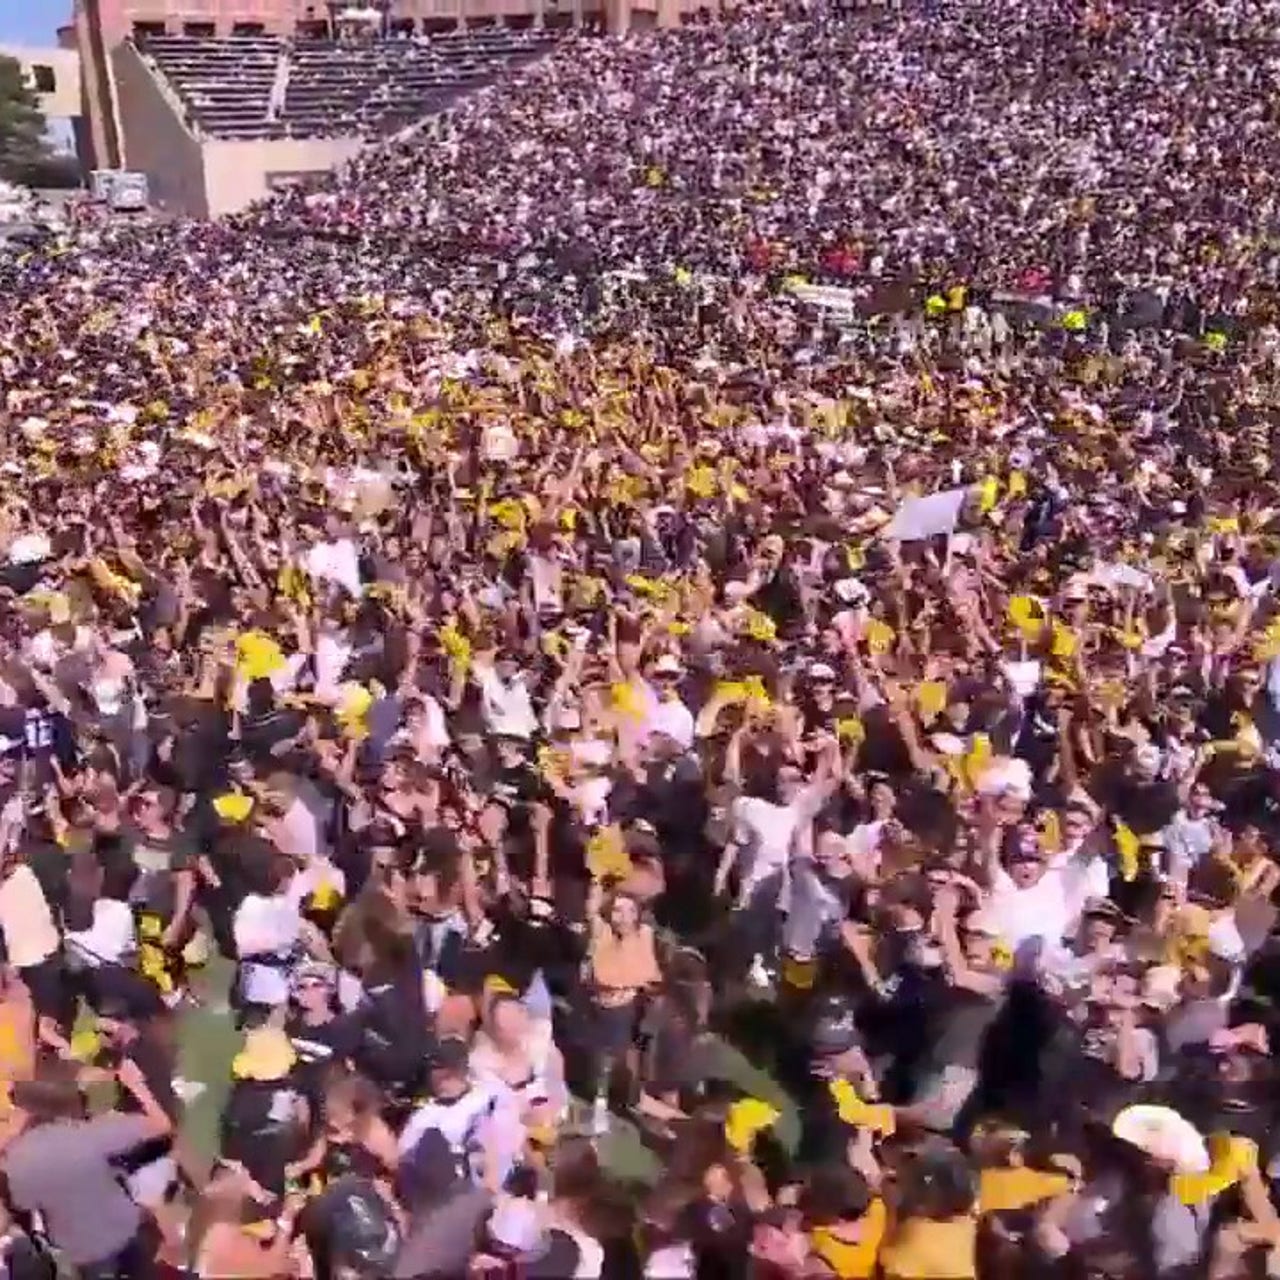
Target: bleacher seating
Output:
[(224, 84), (230, 87)]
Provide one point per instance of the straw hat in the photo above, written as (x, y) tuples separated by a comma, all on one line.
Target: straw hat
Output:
[(1163, 1135)]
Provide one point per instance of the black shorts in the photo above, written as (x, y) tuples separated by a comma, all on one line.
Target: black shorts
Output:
[(51, 994), (614, 1029)]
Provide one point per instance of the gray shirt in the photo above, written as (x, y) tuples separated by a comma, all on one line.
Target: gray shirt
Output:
[(63, 1172)]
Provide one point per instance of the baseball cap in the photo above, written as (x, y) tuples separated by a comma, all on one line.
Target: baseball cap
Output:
[(835, 1028), (450, 1054), (356, 1227)]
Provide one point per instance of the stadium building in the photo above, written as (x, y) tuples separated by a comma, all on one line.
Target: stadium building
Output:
[(219, 102)]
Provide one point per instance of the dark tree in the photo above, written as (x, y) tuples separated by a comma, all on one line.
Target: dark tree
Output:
[(23, 143)]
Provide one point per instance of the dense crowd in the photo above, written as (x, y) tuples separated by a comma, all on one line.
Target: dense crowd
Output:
[(717, 599)]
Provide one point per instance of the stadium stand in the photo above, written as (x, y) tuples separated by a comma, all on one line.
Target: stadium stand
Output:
[(225, 85), (264, 87)]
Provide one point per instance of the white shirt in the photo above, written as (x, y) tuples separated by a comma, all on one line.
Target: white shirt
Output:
[(764, 832), (507, 708), (265, 927), (1187, 840), (669, 717), (436, 727), (30, 936), (1050, 909), (864, 845), (484, 1118), (109, 938), (333, 653)]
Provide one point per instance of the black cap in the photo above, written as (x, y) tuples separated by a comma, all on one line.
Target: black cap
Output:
[(835, 1028), (356, 1226), (451, 1054)]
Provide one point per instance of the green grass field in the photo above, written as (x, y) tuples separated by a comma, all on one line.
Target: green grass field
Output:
[(209, 1041)]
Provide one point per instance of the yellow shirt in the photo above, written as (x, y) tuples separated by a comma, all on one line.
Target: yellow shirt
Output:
[(17, 1047), (853, 1259), (1004, 1189), (925, 1249)]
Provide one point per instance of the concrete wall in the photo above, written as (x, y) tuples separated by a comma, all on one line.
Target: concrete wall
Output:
[(155, 138), (212, 177), (118, 16), (238, 173), (281, 17), (63, 103)]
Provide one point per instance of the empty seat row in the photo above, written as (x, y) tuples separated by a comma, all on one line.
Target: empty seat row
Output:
[(227, 86)]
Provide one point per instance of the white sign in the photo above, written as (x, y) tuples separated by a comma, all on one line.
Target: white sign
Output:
[(927, 517)]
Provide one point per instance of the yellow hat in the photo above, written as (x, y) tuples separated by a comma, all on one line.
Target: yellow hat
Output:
[(267, 1055), (232, 806)]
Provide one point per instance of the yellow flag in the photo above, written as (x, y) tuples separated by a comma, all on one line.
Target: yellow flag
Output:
[(607, 855), (977, 758), (1027, 614), (231, 806), (1230, 1158), (931, 698), (850, 729), (257, 656), (746, 1118), (760, 626), (853, 1110), (1127, 851)]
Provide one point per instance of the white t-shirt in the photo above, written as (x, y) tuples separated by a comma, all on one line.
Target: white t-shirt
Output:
[(864, 844), (266, 927), (333, 653), (30, 936), (1050, 909), (484, 1118), (764, 832), (669, 717), (108, 939), (435, 725), (507, 708)]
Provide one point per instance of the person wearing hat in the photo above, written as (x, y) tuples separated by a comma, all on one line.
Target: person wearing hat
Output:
[(353, 1230), (320, 1035), (1034, 903), (1095, 946), (265, 1119), (666, 715), (505, 700), (818, 705), (836, 1057)]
